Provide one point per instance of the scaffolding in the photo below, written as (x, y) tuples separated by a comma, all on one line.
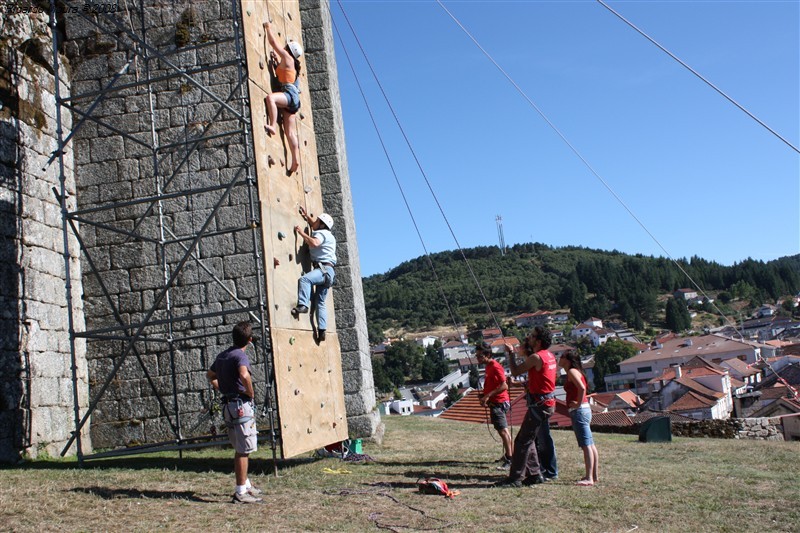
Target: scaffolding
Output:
[(170, 231)]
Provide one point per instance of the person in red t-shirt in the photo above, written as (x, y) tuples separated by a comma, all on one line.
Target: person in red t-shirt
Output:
[(495, 397), (581, 414), (540, 364)]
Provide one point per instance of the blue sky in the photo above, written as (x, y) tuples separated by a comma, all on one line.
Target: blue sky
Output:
[(703, 177)]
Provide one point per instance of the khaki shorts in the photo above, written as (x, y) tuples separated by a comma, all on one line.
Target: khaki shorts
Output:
[(244, 436)]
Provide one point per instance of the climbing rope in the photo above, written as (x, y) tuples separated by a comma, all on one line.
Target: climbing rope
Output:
[(419, 166), (375, 517), (397, 181), (587, 164)]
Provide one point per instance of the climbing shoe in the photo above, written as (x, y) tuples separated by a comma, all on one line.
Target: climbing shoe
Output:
[(298, 310)]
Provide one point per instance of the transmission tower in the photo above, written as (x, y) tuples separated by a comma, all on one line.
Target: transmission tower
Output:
[(499, 220)]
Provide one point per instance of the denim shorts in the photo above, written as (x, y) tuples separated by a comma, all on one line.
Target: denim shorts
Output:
[(581, 418), (292, 97)]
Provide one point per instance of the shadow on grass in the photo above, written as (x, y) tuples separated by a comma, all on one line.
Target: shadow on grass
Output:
[(434, 463), (192, 464), (115, 494)]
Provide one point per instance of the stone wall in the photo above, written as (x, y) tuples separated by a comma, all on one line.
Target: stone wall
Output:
[(131, 248), (126, 284), (733, 428), (363, 417), (730, 428), (114, 169), (36, 382)]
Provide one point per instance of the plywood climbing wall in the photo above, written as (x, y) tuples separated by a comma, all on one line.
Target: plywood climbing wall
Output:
[(308, 374)]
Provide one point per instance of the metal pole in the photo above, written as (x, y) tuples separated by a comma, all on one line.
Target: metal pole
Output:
[(65, 234)]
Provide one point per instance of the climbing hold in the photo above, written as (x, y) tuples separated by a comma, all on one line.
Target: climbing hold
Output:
[(289, 15), (270, 161), (309, 431), (307, 189), (289, 368), (316, 178), (275, 262), (322, 405), (278, 199), (261, 64), (281, 235), (305, 143), (290, 257), (296, 392), (334, 424), (282, 162), (248, 12), (291, 340), (302, 116)]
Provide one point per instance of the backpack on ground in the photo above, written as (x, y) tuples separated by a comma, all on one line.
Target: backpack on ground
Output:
[(434, 485)]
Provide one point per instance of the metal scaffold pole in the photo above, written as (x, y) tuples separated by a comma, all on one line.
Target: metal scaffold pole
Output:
[(161, 339)]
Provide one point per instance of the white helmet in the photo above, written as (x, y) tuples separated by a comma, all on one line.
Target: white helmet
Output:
[(326, 219), (295, 49)]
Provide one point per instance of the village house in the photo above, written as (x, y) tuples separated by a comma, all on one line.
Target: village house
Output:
[(455, 350), (628, 401), (600, 336), (636, 371), (426, 341), (530, 320), (740, 370), (698, 389), (686, 295), (491, 333)]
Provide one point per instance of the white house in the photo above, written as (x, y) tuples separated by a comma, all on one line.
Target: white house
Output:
[(455, 350), (699, 390), (685, 294), (581, 330), (641, 368), (426, 341), (600, 336), (401, 407), (456, 377)]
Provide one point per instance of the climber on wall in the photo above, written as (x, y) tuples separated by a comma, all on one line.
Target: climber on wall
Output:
[(322, 248), (287, 70)]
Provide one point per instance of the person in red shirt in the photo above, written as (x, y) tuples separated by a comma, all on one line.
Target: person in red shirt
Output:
[(580, 413), (540, 364), (495, 397)]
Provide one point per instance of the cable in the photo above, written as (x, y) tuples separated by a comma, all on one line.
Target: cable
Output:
[(586, 163), (422, 170), (397, 180), (693, 71)]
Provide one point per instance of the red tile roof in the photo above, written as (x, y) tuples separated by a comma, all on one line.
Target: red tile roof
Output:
[(647, 415), (513, 341), (698, 388), (691, 401), (468, 408), (617, 417), (627, 396)]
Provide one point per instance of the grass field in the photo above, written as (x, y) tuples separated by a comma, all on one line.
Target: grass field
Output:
[(686, 485)]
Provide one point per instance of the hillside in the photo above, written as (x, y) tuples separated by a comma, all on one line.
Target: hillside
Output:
[(588, 282)]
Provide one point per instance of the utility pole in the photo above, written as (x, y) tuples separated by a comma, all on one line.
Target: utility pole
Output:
[(499, 220)]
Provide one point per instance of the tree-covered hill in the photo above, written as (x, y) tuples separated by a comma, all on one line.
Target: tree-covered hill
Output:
[(536, 276)]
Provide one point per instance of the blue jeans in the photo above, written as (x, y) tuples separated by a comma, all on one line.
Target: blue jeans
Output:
[(321, 279)]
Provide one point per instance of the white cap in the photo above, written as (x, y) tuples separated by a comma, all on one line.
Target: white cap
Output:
[(326, 219), (295, 49)]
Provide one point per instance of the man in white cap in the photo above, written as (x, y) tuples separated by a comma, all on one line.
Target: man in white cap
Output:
[(322, 247)]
